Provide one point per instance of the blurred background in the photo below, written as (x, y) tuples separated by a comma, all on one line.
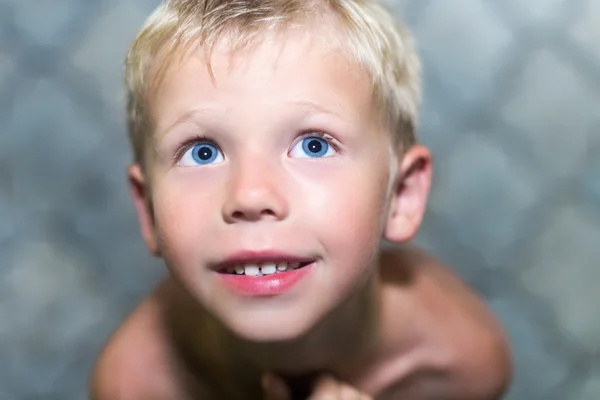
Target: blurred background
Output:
[(511, 112)]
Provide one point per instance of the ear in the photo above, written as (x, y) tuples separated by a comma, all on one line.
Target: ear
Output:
[(139, 191), (409, 195)]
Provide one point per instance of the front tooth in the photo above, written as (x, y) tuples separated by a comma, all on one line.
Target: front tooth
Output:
[(251, 270), (282, 267), (239, 269), (268, 269)]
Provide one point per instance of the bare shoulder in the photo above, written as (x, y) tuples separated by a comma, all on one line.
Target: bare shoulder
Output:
[(462, 345), (137, 362)]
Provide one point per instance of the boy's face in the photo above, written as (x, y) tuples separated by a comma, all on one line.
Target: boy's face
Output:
[(282, 158)]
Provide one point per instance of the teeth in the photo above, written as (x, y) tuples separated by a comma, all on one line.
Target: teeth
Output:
[(264, 269), (251, 270), (268, 269)]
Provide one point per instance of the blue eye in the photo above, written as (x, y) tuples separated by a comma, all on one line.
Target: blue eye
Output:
[(201, 154), (313, 147)]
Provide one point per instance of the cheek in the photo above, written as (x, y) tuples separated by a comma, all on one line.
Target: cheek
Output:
[(180, 208), (346, 217), (349, 205)]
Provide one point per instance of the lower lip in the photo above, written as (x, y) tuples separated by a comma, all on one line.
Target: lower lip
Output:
[(267, 285)]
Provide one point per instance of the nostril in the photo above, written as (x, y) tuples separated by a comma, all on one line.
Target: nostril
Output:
[(251, 216)]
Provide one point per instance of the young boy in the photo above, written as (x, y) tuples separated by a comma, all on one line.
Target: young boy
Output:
[(274, 149)]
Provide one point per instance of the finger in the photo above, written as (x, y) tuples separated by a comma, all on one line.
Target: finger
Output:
[(331, 388), (347, 392), (274, 388), (326, 388)]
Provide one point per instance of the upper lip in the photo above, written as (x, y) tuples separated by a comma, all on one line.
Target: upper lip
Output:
[(260, 257)]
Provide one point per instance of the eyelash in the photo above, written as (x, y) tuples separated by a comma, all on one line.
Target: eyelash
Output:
[(185, 146), (319, 135)]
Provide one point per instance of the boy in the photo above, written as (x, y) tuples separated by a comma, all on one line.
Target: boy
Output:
[(274, 148)]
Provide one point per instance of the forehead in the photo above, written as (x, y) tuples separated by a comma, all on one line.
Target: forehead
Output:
[(292, 67)]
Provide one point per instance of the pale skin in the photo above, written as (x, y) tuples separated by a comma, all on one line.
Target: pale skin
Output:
[(364, 323)]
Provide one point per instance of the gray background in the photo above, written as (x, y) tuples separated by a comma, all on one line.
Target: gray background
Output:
[(511, 111)]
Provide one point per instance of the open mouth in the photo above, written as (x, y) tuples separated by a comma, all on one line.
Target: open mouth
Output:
[(264, 268)]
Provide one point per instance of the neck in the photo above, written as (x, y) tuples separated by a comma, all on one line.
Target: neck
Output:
[(339, 344), (337, 341)]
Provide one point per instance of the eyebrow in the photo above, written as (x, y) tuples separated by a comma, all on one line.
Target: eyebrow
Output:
[(192, 115), (188, 116), (314, 107)]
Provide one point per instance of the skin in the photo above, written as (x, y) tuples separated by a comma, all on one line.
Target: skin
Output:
[(366, 323)]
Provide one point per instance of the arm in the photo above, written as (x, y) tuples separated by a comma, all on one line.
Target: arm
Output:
[(136, 363), (465, 353), (478, 356)]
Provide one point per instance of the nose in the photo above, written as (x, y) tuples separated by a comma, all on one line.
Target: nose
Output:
[(256, 193)]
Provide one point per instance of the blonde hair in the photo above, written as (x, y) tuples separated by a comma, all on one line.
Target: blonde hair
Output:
[(368, 33)]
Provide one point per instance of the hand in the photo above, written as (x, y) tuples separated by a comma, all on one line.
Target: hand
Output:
[(326, 388)]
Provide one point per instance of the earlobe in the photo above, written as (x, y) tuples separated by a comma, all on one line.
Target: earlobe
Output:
[(138, 189), (409, 195)]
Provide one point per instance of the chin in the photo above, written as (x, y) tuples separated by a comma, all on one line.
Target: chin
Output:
[(269, 326)]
